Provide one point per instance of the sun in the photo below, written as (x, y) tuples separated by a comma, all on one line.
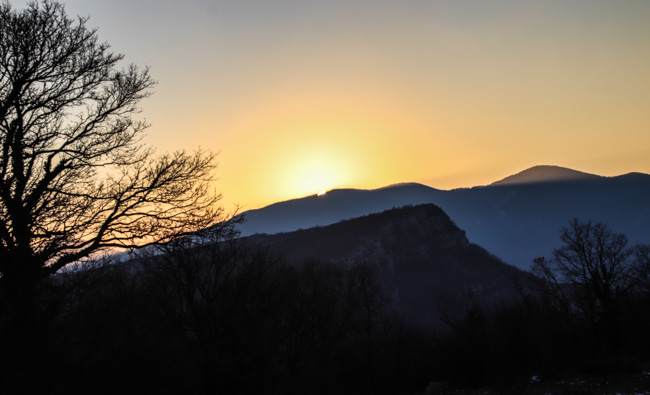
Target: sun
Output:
[(305, 156), (315, 177)]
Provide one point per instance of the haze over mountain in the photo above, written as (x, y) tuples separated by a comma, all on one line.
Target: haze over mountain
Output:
[(545, 173), (426, 264), (517, 218)]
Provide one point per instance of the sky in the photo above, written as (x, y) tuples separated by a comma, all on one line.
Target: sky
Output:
[(301, 96)]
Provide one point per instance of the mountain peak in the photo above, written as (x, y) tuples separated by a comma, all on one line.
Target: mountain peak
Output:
[(545, 173)]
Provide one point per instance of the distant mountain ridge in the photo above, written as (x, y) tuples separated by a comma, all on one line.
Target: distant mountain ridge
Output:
[(545, 173), (517, 220), (426, 264)]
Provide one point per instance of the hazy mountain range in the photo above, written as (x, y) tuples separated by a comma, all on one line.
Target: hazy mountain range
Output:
[(517, 218)]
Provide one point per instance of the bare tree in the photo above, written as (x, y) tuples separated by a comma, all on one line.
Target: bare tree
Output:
[(642, 268), (74, 176), (589, 274)]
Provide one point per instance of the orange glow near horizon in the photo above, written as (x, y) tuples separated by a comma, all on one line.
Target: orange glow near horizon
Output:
[(290, 150), (298, 152)]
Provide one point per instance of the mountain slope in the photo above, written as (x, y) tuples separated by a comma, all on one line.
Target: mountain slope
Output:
[(515, 221), (334, 206), (424, 260)]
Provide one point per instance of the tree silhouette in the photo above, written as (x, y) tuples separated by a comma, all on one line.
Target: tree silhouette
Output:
[(642, 268), (590, 274), (74, 176)]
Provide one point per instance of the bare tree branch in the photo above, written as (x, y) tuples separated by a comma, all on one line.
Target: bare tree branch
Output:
[(74, 177)]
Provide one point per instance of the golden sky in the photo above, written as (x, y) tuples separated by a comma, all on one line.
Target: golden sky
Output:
[(300, 96)]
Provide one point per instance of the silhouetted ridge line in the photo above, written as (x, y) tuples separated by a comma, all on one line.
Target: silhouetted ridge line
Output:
[(516, 221), (633, 176), (545, 173)]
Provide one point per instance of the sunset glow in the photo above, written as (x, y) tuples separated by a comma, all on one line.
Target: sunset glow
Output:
[(301, 97)]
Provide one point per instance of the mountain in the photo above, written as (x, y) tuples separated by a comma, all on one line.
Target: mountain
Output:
[(545, 173), (425, 262), (517, 219)]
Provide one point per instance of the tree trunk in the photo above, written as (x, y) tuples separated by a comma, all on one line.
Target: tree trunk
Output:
[(23, 338)]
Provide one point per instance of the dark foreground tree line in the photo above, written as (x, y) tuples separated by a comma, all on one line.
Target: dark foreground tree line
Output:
[(213, 315), (203, 317)]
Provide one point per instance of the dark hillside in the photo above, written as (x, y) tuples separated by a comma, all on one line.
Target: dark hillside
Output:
[(426, 262)]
